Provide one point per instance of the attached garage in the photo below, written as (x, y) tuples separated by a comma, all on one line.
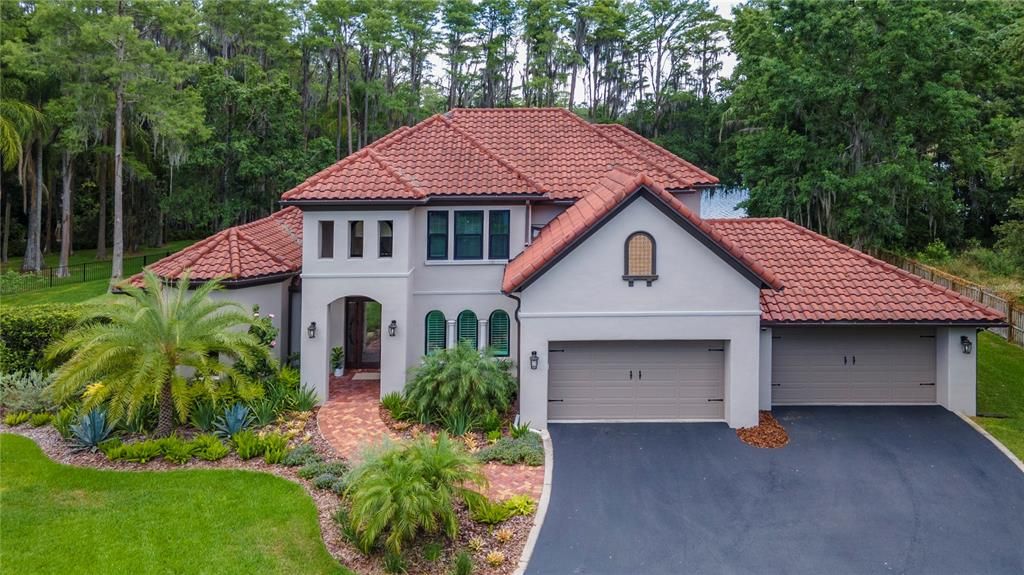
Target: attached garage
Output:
[(853, 365), (636, 380)]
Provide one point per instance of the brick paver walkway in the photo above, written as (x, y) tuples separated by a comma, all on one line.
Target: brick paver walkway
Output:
[(350, 420)]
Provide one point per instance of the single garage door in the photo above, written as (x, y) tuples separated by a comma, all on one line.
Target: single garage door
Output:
[(821, 365), (636, 380)]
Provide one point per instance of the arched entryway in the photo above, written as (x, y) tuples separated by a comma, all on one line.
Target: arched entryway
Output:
[(362, 333)]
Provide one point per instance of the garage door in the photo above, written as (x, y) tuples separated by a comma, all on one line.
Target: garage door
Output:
[(853, 365), (636, 380)]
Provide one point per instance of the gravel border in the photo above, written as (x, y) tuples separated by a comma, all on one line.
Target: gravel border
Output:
[(327, 504)]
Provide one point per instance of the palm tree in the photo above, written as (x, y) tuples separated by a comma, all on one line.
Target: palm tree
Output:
[(133, 351), (17, 119)]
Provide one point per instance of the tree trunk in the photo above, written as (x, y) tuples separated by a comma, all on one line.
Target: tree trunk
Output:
[(117, 265), (33, 255), (50, 187), (7, 232), (348, 98), (101, 235), (165, 421), (66, 167)]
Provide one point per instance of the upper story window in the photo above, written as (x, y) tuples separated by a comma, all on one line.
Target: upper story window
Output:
[(355, 239), (640, 258), (385, 238), (437, 235), (326, 239), (469, 235), (497, 245)]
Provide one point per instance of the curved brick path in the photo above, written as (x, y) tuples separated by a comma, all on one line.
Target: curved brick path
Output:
[(350, 420)]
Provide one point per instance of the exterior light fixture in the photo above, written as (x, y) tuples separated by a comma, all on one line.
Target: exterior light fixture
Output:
[(392, 328), (534, 360), (311, 330), (965, 344)]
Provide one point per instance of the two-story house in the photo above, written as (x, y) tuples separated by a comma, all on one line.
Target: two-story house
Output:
[(576, 250)]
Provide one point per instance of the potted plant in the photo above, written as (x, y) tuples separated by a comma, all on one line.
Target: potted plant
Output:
[(338, 361)]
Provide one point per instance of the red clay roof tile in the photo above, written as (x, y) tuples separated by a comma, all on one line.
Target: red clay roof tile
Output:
[(546, 151), (826, 281), (269, 246)]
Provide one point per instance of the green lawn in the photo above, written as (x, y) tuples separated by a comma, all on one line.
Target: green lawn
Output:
[(1001, 390), (71, 293), (88, 256), (61, 519)]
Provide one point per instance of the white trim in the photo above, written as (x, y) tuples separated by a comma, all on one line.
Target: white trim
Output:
[(1009, 454), (464, 262), (542, 505), (458, 292), (557, 421), (664, 313), (357, 276)]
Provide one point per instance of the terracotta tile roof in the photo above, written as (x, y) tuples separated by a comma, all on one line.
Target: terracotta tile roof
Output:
[(826, 281), (548, 151), (265, 247), (614, 188)]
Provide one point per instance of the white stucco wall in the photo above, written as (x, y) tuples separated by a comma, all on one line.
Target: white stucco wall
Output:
[(698, 296), (765, 370), (272, 299), (956, 380)]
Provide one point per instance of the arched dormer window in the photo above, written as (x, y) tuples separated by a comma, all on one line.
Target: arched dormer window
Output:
[(640, 258)]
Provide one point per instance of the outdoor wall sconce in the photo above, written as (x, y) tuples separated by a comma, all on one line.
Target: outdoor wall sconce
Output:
[(965, 344), (392, 328), (534, 360), (311, 330)]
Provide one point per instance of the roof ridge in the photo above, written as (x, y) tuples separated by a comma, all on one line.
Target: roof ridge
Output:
[(233, 251), (264, 249), (490, 154), (394, 173), (887, 266), (281, 221), (590, 127), (650, 144), (325, 172)]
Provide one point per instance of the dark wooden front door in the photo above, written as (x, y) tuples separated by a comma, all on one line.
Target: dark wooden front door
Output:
[(362, 333)]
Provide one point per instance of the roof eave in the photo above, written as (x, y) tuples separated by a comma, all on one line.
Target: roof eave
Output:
[(981, 323)]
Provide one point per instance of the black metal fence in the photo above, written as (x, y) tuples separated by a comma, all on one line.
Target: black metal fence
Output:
[(12, 282)]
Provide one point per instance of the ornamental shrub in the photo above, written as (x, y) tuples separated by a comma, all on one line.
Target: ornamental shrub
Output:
[(460, 379), (511, 450), (25, 391), (405, 490), (26, 331)]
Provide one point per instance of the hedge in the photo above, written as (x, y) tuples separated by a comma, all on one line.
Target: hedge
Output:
[(26, 331)]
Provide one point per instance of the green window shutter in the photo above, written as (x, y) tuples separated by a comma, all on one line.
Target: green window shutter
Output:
[(467, 328), (436, 328), (498, 333)]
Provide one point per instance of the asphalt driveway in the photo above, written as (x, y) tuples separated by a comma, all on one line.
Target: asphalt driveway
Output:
[(857, 490)]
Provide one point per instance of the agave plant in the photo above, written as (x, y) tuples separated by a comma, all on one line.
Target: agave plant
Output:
[(91, 430), (234, 419)]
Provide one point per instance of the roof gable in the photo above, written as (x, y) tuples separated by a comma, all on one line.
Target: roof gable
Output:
[(547, 152), (615, 192)]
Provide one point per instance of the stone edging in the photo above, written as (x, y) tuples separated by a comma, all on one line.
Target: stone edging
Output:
[(1009, 454), (542, 505)]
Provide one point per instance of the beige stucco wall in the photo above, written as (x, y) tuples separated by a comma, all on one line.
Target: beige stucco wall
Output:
[(698, 296)]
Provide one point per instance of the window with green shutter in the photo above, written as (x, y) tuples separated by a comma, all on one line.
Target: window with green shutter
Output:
[(498, 333), (436, 332), (467, 328)]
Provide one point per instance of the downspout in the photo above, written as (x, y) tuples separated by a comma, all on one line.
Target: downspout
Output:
[(519, 340), (529, 223)]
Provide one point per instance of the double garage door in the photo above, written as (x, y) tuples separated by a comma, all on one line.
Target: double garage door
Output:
[(636, 380), (850, 365)]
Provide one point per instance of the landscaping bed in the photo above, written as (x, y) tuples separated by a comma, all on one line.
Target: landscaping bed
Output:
[(768, 433)]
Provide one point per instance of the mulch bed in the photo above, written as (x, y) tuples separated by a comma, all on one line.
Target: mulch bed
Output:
[(327, 503), (768, 433)]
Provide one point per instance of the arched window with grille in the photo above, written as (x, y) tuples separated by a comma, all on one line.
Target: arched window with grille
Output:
[(436, 332), (498, 333), (640, 258), (467, 328)]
